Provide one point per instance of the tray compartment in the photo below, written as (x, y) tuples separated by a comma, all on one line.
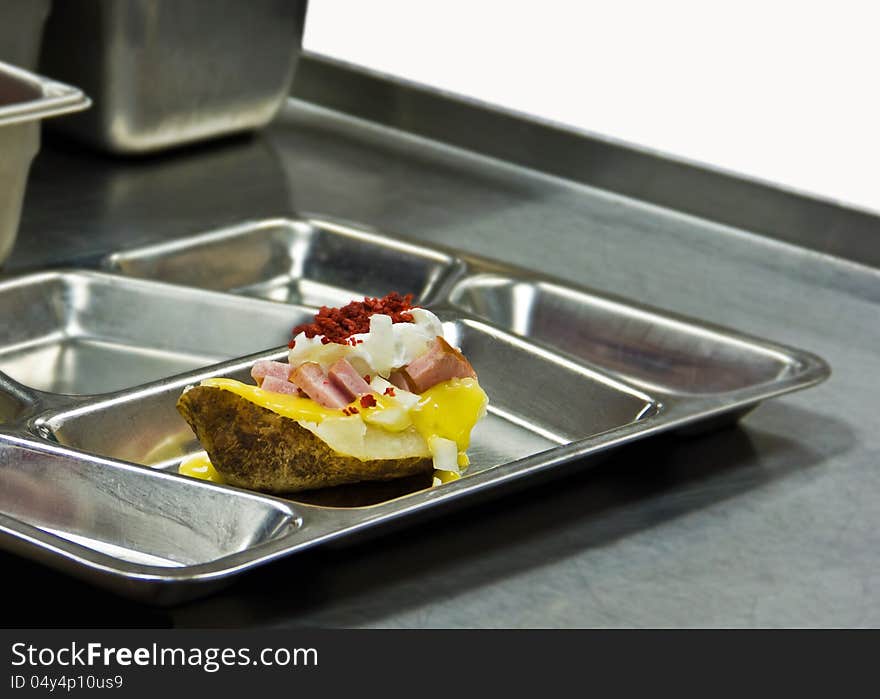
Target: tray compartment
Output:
[(648, 349), (537, 402), (88, 333), (132, 514), (313, 263), (538, 391)]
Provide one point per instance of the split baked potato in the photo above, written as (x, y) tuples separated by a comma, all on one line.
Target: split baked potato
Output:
[(256, 448)]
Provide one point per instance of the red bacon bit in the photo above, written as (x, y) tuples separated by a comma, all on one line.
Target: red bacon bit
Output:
[(367, 378), (291, 344), (389, 391), (350, 410), (339, 324), (368, 401)]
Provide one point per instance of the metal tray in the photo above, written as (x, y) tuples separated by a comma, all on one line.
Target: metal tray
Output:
[(596, 373)]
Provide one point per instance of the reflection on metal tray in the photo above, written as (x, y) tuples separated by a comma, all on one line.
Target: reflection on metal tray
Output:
[(598, 372)]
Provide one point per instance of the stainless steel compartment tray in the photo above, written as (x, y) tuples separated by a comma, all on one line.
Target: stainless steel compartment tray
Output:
[(570, 373), (21, 31)]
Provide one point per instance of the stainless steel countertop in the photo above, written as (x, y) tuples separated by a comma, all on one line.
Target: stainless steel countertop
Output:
[(775, 523)]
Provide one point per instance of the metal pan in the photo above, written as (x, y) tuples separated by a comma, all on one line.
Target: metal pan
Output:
[(25, 100), (21, 31), (164, 73)]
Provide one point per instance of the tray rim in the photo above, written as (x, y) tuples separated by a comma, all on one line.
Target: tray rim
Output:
[(151, 582)]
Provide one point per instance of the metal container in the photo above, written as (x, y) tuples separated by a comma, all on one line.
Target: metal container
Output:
[(21, 31), (25, 99), (165, 73)]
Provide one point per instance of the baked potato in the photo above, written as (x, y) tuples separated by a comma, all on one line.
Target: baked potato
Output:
[(256, 448), (371, 392)]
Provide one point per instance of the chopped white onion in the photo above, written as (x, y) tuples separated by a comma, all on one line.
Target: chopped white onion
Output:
[(405, 399), (387, 346), (445, 453)]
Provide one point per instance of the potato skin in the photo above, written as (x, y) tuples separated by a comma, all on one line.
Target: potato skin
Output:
[(253, 447)]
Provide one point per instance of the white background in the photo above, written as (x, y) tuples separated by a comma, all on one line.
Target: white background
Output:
[(784, 91)]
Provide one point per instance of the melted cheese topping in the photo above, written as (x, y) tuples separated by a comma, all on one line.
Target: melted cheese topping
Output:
[(199, 466), (287, 405), (450, 410)]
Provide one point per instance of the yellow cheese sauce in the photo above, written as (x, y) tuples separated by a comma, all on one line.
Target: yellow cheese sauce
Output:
[(448, 410), (200, 466), (446, 476), (287, 405)]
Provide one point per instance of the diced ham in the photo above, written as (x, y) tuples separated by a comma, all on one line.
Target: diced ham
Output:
[(440, 363), (264, 368), (345, 377), (276, 385), (398, 378), (316, 385)]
